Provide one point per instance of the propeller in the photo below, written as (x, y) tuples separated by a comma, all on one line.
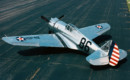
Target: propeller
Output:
[(44, 18)]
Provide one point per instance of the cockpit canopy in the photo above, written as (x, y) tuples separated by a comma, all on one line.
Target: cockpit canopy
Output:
[(70, 27)]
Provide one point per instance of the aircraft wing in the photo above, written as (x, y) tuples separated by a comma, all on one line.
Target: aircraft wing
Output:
[(95, 30), (47, 40)]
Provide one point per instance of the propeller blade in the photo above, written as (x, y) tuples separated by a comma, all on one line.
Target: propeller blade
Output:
[(44, 18), (61, 16)]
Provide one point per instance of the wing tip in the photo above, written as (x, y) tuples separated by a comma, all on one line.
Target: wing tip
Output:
[(108, 25), (6, 39)]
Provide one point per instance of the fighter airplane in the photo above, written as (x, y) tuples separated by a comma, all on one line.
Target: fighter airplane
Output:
[(68, 35)]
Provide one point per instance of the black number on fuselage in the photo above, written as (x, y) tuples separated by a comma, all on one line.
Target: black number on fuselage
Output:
[(83, 45), (86, 46), (82, 42)]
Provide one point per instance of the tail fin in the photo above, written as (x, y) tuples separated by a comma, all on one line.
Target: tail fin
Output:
[(113, 54)]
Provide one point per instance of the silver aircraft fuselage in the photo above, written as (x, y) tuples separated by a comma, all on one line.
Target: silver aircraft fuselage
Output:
[(69, 32)]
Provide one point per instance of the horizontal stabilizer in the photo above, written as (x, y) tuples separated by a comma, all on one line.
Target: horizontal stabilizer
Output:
[(123, 54), (97, 58)]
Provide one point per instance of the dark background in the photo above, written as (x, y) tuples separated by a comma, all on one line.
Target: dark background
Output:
[(22, 17)]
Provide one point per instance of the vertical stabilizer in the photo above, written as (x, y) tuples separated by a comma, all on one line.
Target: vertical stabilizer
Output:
[(114, 54)]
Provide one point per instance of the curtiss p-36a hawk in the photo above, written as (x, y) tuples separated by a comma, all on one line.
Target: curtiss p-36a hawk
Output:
[(68, 35)]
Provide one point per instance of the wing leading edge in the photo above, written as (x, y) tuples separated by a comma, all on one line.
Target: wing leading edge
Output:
[(47, 40), (95, 30)]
